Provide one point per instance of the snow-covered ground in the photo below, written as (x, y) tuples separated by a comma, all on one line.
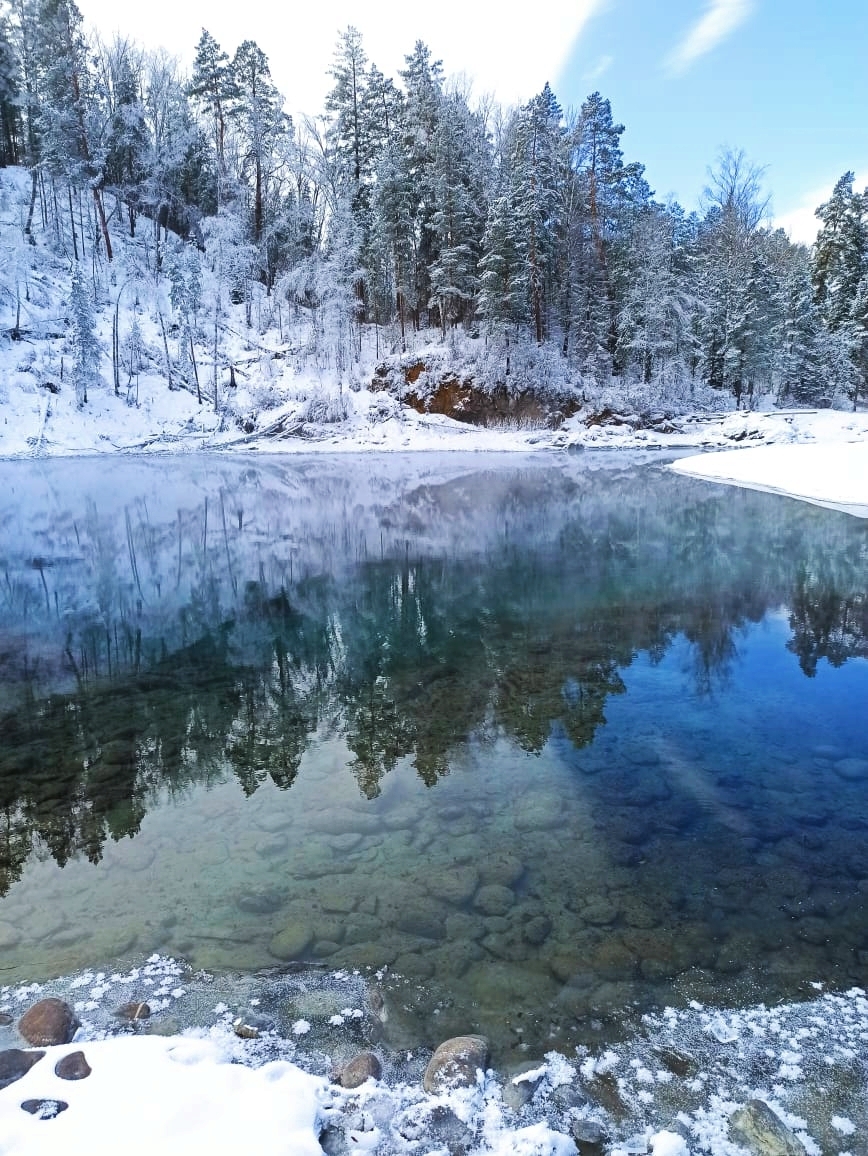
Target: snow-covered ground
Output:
[(829, 471), (672, 1085)]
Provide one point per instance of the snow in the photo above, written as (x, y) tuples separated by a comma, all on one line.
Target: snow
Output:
[(831, 471), (178, 1095), (668, 1144)]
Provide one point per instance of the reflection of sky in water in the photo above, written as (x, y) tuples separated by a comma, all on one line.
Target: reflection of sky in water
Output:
[(540, 734)]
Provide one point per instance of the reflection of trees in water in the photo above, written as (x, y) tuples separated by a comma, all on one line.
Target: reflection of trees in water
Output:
[(827, 622), (406, 655)]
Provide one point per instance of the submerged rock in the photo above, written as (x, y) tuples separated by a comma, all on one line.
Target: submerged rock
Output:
[(48, 1022), (762, 1132), (455, 1063), (73, 1067), (853, 770), (291, 942), (494, 899), (15, 1063), (9, 935)]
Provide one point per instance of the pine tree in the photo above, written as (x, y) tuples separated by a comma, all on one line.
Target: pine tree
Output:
[(84, 345), (840, 276), (536, 172), (423, 83), (212, 86), (258, 116), (10, 93), (459, 214)]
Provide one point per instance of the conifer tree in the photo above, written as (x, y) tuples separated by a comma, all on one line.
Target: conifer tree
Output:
[(84, 345)]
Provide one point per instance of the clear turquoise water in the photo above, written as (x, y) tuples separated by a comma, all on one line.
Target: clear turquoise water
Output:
[(543, 737)]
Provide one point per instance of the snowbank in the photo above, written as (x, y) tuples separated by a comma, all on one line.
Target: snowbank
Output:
[(833, 473), (177, 1095)]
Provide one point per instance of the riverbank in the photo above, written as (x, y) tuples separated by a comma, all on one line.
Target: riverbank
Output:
[(682, 1081)]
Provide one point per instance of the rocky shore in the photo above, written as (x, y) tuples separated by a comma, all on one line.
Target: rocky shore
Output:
[(770, 1081)]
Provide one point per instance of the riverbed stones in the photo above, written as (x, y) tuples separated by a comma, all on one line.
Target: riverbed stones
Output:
[(257, 902), (9, 935), (423, 916), (455, 1064), (50, 1021), (494, 899), (537, 930), (539, 813), (73, 1066), (454, 885), (365, 1066), (501, 868), (291, 942), (338, 902), (15, 1063), (853, 770), (757, 1128)]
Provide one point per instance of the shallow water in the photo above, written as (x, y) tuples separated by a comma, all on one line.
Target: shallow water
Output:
[(545, 737)]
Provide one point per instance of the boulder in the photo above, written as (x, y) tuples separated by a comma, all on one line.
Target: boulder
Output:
[(15, 1063), (757, 1128), (73, 1067), (455, 1064), (48, 1022)]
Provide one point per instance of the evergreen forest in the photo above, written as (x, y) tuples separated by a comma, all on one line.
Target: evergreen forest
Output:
[(405, 207)]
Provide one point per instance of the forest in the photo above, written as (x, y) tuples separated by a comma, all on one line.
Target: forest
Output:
[(407, 207)]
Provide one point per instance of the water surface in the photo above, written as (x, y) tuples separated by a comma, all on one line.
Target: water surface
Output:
[(545, 736)]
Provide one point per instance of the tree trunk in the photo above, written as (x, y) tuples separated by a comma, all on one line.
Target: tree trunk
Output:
[(28, 228), (103, 223)]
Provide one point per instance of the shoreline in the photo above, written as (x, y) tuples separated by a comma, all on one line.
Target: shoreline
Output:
[(234, 1062)]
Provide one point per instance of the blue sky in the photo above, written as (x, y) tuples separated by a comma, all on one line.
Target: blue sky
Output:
[(785, 80)]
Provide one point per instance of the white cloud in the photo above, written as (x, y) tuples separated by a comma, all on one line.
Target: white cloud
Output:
[(720, 19), (799, 221), (510, 58)]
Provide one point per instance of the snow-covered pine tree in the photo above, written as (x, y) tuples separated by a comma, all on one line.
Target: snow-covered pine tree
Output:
[(840, 276), (212, 87), (257, 115), (84, 345), (457, 176), (535, 175)]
